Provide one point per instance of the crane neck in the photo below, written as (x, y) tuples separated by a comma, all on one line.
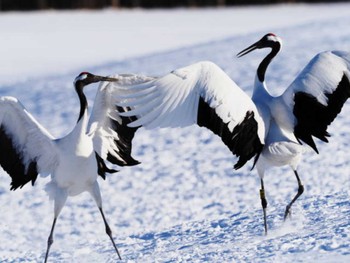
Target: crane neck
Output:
[(82, 98), (260, 92), (266, 61)]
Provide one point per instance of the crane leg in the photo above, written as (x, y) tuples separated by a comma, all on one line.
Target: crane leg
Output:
[(50, 239), (96, 194), (109, 233), (60, 200), (300, 192), (263, 203)]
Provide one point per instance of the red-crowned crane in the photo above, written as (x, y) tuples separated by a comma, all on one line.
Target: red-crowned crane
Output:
[(74, 161), (270, 128)]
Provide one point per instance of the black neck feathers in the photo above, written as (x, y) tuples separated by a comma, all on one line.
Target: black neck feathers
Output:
[(82, 98), (266, 61)]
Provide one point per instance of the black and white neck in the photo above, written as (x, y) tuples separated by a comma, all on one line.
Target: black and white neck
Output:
[(82, 80), (79, 86), (261, 71), (270, 40)]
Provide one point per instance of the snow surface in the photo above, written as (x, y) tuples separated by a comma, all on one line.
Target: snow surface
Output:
[(184, 203), (34, 44)]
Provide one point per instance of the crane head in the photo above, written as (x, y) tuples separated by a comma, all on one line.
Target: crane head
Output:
[(86, 78), (270, 40)]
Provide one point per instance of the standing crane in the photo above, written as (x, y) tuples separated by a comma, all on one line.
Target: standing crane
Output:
[(271, 129), (74, 161)]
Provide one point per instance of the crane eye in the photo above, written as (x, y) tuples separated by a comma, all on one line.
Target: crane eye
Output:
[(82, 76), (273, 37)]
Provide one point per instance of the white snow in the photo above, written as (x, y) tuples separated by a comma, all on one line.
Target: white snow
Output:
[(184, 203), (39, 43)]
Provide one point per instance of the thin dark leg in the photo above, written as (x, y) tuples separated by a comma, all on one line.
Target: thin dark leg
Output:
[(109, 233), (263, 203), (50, 239), (300, 191)]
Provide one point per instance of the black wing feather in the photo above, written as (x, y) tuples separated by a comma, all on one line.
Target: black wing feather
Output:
[(11, 161), (124, 142), (243, 141), (313, 118)]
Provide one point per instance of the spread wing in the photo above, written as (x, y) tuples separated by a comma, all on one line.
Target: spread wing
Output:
[(318, 94), (197, 94), (26, 148), (111, 136)]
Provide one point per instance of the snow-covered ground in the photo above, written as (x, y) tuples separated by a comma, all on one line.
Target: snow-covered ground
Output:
[(34, 44), (184, 203)]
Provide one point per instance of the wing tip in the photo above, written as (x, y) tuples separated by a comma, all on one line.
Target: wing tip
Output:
[(313, 118), (12, 162)]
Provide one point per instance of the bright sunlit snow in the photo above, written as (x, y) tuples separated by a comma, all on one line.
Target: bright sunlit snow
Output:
[(184, 203), (35, 44)]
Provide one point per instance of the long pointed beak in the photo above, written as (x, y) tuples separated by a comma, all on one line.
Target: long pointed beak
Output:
[(101, 78), (248, 50)]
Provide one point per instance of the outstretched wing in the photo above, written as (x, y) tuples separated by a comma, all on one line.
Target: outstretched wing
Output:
[(111, 135), (26, 148), (197, 94), (318, 94)]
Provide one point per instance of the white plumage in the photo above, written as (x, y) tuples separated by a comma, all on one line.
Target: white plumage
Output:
[(270, 128), (173, 99), (27, 136), (179, 98), (74, 161)]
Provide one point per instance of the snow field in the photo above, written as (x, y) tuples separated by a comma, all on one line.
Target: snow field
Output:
[(184, 203)]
